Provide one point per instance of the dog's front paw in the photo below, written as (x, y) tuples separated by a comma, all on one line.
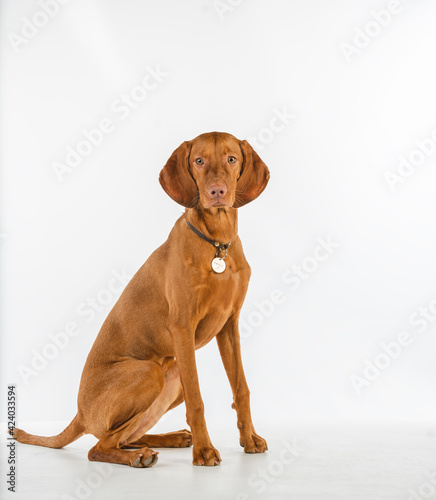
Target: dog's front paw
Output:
[(253, 443), (206, 456)]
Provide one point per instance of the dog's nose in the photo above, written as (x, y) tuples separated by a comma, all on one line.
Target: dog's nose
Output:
[(217, 190)]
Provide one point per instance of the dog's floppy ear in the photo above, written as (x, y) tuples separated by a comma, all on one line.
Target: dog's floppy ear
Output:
[(176, 179), (253, 178)]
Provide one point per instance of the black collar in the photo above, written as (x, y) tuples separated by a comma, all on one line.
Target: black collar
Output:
[(220, 247)]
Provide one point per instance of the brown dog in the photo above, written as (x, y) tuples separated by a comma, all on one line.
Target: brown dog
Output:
[(142, 363)]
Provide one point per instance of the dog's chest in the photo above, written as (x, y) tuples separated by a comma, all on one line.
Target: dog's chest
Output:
[(216, 300)]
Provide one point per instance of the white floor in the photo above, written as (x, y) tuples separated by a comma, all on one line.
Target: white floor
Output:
[(352, 461)]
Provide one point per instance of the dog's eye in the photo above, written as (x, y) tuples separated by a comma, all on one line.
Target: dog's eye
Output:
[(232, 159), (199, 161)]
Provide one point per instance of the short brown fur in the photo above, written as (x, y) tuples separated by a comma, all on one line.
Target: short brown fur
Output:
[(142, 363)]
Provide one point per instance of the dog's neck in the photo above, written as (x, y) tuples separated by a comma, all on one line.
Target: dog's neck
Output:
[(218, 224)]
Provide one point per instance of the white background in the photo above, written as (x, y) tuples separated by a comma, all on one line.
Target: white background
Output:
[(61, 241)]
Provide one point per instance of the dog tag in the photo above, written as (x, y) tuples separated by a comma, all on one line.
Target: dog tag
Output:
[(218, 265)]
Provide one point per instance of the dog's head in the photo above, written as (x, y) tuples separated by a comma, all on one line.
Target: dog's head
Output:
[(214, 170)]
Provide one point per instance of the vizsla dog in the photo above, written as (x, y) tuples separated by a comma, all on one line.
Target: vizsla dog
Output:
[(190, 290)]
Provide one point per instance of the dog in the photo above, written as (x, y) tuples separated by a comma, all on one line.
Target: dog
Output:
[(190, 290)]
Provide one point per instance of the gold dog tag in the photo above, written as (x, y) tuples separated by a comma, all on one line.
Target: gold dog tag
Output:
[(218, 265)]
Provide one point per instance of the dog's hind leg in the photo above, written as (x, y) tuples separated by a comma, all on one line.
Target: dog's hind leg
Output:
[(139, 394)]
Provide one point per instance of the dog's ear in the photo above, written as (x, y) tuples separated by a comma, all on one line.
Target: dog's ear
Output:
[(176, 179), (253, 178)]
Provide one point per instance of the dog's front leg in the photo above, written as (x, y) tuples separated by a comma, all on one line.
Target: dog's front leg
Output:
[(230, 349), (203, 451)]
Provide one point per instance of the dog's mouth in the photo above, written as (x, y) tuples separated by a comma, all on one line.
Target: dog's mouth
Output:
[(216, 202)]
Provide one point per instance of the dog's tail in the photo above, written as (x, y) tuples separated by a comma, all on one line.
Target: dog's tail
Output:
[(72, 432)]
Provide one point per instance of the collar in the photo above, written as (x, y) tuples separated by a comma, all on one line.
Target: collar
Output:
[(220, 247)]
